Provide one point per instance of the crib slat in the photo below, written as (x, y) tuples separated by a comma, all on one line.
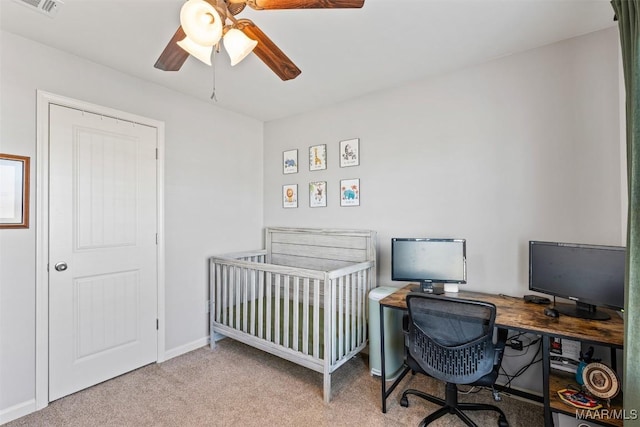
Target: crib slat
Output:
[(244, 299), (276, 310), (225, 294), (252, 304), (361, 307), (355, 312), (361, 316), (285, 309), (305, 318), (236, 297), (340, 349), (316, 318), (349, 314), (261, 307), (296, 312), (218, 292), (267, 332)]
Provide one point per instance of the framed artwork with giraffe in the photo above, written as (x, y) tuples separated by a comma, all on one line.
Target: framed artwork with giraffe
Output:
[(317, 157)]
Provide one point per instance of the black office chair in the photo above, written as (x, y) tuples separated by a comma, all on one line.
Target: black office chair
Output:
[(451, 340)]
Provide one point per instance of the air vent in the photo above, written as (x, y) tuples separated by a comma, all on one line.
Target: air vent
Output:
[(47, 7)]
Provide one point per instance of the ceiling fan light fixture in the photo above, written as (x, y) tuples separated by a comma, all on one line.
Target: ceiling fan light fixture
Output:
[(201, 22), (203, 53), (238, 45)]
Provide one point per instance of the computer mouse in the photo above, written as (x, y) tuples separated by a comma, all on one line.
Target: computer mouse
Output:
[(551, 312)]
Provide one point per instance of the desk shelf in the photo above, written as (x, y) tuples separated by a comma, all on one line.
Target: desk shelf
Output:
[(559, 380)]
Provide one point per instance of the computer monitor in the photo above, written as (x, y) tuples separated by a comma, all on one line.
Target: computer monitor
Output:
[(590, 275), (428, 261)]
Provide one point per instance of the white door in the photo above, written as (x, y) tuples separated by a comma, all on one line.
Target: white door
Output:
[(102, 248)]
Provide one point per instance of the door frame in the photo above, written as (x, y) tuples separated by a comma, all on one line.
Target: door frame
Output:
[(44, 100)]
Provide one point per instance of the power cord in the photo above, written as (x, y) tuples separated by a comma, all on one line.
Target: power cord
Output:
[(523, 369)]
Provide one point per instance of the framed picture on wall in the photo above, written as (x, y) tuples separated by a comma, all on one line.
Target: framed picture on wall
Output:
[(318, 194), (317, 157), (290, 161), (290, 196), (350, 152), (350, 192), (14, 191)]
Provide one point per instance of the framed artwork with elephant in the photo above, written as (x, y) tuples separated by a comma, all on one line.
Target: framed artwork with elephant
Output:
[(350, 192)]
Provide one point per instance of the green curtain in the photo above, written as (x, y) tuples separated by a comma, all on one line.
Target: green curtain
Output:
[(628, 14)]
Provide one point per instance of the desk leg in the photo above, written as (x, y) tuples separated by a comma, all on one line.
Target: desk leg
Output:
[(614, 359), (383, 374), (548, 417)]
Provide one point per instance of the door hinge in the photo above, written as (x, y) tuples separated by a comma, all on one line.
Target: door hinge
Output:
[(156, 238), (157, 156), (157, 324)]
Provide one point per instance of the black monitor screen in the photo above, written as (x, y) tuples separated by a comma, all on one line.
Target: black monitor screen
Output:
[(591, 275), (428, 260)]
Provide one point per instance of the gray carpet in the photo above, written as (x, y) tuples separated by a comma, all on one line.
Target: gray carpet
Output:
[(236, 385)]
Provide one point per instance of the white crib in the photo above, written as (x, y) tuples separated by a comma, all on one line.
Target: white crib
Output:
[(303, 298)]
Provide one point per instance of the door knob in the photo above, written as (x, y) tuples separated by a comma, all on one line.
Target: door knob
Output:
[(61, 266)]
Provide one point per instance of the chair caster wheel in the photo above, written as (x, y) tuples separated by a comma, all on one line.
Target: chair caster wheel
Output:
[(502, 422), (404, 402)]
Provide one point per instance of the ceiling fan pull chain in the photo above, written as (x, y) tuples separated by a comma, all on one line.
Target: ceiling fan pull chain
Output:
[(213, 66)]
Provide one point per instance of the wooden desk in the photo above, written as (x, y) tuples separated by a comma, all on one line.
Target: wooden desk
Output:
[(515, 314)]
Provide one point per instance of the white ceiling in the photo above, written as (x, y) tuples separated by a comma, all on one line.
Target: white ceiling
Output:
[(343, 53)]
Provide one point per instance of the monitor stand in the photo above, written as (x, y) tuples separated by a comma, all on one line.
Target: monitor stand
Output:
[(451, 287), (428, 288), (582, 310)]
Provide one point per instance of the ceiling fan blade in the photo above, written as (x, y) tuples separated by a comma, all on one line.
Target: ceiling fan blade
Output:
[(173, 56), (268, 52), (304, 4)]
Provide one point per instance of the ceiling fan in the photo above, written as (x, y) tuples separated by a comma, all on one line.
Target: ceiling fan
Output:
[(203, 23)]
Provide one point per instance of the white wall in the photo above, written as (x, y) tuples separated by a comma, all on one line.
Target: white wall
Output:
[(525, 147), (213, 194), (519, 148)]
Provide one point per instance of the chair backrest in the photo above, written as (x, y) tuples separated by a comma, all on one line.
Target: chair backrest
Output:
[(451, 339)]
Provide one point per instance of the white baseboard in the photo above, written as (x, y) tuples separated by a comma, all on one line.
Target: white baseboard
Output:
[(17, 411), (186, 348)]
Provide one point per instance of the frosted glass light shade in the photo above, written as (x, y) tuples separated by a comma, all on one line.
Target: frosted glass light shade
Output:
[(201, 22), (238, 45), (203, 53)]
